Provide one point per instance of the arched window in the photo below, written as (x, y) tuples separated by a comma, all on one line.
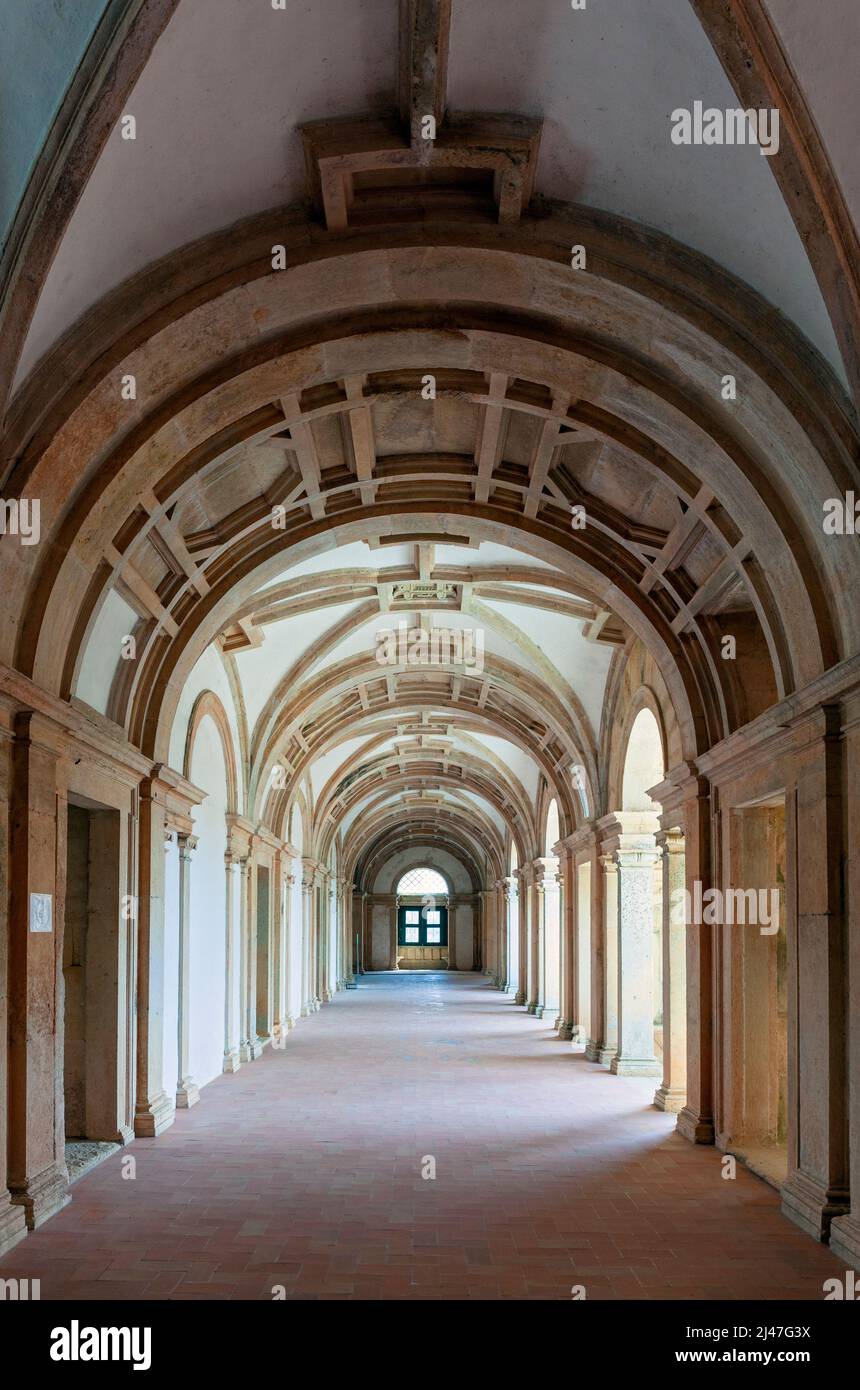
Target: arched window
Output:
[(421, 881)]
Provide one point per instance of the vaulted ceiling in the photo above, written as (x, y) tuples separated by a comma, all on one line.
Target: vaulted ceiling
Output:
[(404, 426)]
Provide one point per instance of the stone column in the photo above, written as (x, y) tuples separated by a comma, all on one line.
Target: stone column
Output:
[(13, 1223), (38, 1180), (231, 1052), (249, 1048), (534, 941), (502, 888), (548, 939), (523, 936), (845, 1229), (317, 941), (307, 944), (187, 1092), (817, 1186), (280, 948), (506, 890), (329, 919), (289, 947), (452, 933), (567, 1021), (696, 1119), (154, 1109), (607, 976), (488, 953), (513, 935), (672, 1094), (636, 857)]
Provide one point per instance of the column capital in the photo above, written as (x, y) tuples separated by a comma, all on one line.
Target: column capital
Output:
[(637, 852), (546, 874), (187, 845), (670, 841)]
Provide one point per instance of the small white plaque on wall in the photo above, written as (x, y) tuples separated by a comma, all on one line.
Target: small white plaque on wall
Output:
[(40, 912)]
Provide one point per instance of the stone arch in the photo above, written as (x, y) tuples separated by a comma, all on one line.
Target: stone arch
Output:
[(209, 705)]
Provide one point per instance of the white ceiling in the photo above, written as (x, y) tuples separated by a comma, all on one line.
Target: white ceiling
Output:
[(218, 104)]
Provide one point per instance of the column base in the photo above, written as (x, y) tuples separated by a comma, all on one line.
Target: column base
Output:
[(844, 1239), (606, 1056), (565, 1031), (187, 1094), (668, 1099), (811, 1206), (231, 1061), (250, 1051), (592, 1050), (519, 997), (306, 1010), (531, 1008), (43, 1195), (13, 1224), (635, 1066), (153, 1119), (698, 1129)]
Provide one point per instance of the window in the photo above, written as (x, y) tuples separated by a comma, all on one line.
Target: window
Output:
[(414, 928), (417, 882)]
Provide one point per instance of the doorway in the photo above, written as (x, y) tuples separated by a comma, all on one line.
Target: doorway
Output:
[(91, 956)]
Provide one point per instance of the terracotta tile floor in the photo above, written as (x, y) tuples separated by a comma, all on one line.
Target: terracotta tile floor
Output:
[(304, 1170)]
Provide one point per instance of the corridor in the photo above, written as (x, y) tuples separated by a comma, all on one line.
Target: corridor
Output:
[(304, 1171)]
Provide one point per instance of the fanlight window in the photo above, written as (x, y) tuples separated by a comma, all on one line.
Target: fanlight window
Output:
[(421, 881)]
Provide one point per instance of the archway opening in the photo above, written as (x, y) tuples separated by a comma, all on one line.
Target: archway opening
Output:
[(639, 906), (422, 920)]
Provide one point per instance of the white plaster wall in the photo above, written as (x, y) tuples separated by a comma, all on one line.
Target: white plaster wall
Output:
[(171, 967), (115, 621), (417, 856), (208, 909), (823, 46)]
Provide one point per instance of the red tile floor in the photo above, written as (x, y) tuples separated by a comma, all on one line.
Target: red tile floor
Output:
[(304, 1170)]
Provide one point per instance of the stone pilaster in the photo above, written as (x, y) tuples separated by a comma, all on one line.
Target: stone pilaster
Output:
[(569, 973), (38, 1180), (187, 1092), (524, 936), (249, 1047), (231, 1061), (636, 857), (606, 966), (154, 1109), (816, 1189), (696, 1119), (672, 1093), (307, 1006), (546, 888)]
